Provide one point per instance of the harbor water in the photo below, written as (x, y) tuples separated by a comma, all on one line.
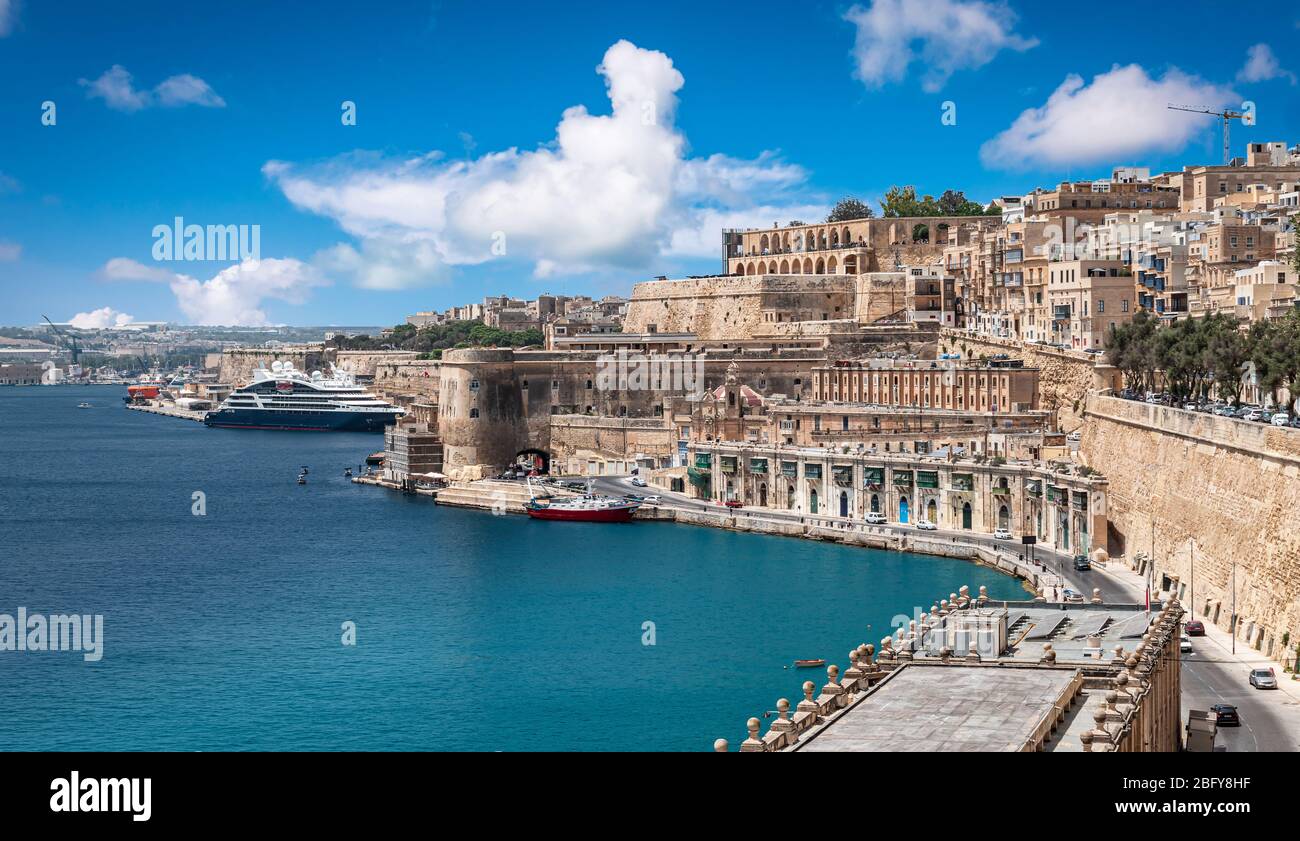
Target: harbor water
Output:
[(226, 590)]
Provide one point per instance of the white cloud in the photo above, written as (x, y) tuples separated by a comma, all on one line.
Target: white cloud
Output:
[(1122, 113), (8, 16), (185, 89), (122, 268), (611, 192), (944, 36), (10, 251), (235, 295), (117, 88), (100, 319), (1262, 65)]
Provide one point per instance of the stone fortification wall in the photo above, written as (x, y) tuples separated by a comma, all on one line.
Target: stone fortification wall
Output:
[(238, 364), (1226, 491), (736, 307), (1065, 377), (617, 438)]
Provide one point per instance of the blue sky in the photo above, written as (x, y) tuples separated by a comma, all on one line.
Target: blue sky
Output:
[(453, 183)]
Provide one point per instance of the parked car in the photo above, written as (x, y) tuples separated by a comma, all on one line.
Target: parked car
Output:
[(1185, 644), (1226, 715), (1224, 410), (637, 481), (1263, 678), (926, 525), (652, 500), (1254, 415), (1081, 563), (1281, 419), (1194, 628), (875, 518), (1001, 534), (1295, 422), (734, 503)]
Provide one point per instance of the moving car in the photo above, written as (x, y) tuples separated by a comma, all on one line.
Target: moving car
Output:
[(1194, 628), (926, 525), (1226, 714), (652, 500), (1071, 596), (1263, 679), (638, 482), (1081, 563), (1001, 534), (875, 518), (1185, 644), (734, 503)]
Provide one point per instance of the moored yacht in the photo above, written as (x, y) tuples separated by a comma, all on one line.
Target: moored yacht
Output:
[(586, 508), (285, 398)]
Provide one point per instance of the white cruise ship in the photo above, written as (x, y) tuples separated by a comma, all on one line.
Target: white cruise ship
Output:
[(285, 398)]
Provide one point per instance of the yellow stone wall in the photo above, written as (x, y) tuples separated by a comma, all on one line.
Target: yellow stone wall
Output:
[(1228, 490)]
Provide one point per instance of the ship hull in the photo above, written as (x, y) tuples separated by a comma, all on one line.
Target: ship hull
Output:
[(596, 515), (299, 421)]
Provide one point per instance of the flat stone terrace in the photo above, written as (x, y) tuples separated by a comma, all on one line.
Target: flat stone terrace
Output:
[(936, 709)]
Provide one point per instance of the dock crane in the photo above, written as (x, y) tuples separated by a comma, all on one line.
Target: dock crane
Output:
[(68, 341), (1227, 115)]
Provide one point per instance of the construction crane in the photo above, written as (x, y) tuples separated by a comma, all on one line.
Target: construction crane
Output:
[(66, 340), (1227, 115)]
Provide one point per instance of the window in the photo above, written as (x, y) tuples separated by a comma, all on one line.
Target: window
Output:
[(1101, 307), (1123, 305), (473, 385), (473, 413)]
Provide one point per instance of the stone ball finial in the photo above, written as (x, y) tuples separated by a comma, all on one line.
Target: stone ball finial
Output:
[(720, 745), (752, 726), (1100, 717), (782, 706), (832, 672), (808, 688), (871, 649), (1096, 595)]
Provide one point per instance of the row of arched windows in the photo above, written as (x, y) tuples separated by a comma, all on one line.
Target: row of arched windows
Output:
[(807, 265)]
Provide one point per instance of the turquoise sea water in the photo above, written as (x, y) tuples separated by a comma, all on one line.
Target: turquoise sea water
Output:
[(474, 632)]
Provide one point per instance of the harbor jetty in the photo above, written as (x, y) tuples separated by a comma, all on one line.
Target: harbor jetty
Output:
[(171, 411)]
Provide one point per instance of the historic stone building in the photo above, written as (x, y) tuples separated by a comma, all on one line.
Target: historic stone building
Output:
[(994, 386), (1060, 505)]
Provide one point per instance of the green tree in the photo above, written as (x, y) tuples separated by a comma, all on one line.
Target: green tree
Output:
[(847, 209), (903, 201)]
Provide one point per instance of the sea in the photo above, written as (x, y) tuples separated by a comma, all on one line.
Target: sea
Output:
[(243, 611)]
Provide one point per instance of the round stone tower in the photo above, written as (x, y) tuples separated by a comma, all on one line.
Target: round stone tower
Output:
[(480, 408)]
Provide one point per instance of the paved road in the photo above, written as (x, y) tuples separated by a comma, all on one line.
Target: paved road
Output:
[(1270, 721)]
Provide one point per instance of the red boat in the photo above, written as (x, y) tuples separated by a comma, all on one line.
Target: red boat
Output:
[(587, 508)]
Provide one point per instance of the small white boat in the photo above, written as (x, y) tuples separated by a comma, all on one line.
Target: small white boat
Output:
[(84, 406)]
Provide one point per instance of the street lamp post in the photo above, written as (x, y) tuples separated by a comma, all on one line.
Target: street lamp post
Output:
[(1234, 606)]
